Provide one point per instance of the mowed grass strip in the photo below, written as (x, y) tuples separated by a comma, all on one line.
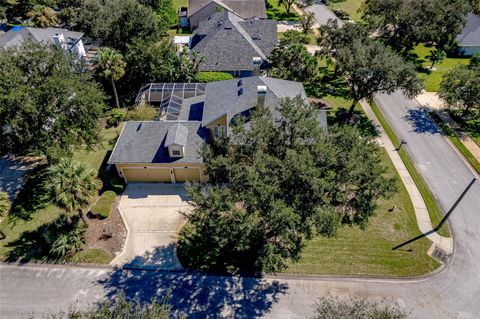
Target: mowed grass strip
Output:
[(433, 210), (452, 136), (368, 252)]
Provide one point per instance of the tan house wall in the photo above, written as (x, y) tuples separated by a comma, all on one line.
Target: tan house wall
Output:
[(167, 172)]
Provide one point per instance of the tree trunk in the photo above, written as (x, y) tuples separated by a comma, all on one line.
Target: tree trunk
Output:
[(2, 235), (352, 108), (83, 217), (114, 88)]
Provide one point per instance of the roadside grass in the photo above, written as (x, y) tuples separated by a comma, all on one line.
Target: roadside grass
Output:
[(456, 141), (351, 7), (471, 124), (33, 220), (276, 11), (92, 256), (368, 252), (433, 78), (432, 206)]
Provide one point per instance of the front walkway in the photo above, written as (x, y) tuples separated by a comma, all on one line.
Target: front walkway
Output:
[(421, 211), (152, 216)]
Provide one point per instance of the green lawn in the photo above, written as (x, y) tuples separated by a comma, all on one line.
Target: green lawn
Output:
[(177, 4), (433, 78), (14, 230), (369, 252), (349, 6), (278, 12), (432, 206)]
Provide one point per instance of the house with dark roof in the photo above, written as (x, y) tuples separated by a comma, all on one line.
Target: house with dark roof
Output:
[(71, 41), (469, 39), (191, 115), (199, 10), (234, 45)]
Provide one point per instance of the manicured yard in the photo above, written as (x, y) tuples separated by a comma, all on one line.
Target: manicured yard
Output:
[(14, 230), (369, 252), (433, 78), (349, 6), (177, 4), (278, 12), (432, 206)]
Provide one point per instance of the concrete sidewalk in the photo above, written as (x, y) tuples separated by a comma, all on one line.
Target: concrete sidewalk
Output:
[(421, 211)]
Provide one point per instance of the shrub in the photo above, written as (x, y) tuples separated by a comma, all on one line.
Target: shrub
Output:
[(102, 208), (92, 256), (205, 77), (116, 117), (142, 113), (62, 238), (355, 308)]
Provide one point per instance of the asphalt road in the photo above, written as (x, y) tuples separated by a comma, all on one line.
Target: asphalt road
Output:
[(452, 293)]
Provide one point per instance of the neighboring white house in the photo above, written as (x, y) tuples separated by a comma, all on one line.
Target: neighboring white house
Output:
[(71, 41), (469, 39)]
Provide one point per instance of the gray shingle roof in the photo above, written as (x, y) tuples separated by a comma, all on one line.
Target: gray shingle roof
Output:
[(177, 135), (244, 8), (230, 43), (16, 37), (145, 142), (470, 35), (234, 97)]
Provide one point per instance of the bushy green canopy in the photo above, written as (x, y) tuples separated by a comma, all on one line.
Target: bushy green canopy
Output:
[(275, 183), (47, 100)]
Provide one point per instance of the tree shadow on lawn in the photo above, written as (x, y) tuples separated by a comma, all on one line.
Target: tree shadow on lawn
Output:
[(193, 294), (358, 119), (421, 121), (32, 197)]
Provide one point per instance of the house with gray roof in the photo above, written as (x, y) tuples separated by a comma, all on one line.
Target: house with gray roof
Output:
[(191, 115), (469, 39), (199, 10), (71, 41), (234, 45)]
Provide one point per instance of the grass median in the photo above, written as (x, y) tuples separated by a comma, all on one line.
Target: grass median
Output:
[(452, 136), (434, 211)]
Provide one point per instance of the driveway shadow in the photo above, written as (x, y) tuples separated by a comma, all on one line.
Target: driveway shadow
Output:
[(163, 258), (421, 122), (197, 295)]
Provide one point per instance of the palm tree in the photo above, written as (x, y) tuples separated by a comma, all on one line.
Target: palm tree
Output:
[(436, 56), (110, 66), (43, 17), (73, 185)]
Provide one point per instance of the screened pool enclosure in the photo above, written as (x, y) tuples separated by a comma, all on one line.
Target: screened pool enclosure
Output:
[(175, 101)]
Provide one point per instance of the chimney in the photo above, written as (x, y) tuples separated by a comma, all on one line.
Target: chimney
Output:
[(59, 39), (261, 94), (257, 63)]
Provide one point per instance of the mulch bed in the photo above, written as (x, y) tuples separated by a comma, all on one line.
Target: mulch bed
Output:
[(108, 234)]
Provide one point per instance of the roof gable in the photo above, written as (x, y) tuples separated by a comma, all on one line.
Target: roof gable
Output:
[(230, 43), (177, 135), (470, 35)]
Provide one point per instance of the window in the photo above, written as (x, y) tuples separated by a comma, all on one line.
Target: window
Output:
[(219, 132), (176, 153)]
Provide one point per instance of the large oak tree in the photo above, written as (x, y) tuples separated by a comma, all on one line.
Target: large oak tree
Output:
[(274, 183), (47, 101)]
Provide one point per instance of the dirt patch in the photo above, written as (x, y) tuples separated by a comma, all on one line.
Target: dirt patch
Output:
[(108, 234)]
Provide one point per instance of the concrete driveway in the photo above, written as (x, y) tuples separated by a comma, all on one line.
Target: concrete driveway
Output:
[(151, 212)]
